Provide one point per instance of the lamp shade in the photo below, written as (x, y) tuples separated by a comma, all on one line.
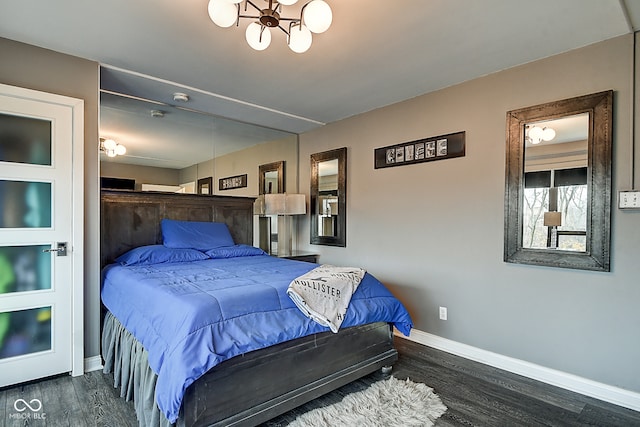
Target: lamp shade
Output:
[(259, 205), (284, 204), (553, 219)]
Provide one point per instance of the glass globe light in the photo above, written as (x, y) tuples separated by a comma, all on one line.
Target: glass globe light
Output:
[(317, 16), (223, 13), (286, 2), (121, 150), (548, 134), (535, 133), (253, 36), (109, 144), (299, 38), (233, 1)]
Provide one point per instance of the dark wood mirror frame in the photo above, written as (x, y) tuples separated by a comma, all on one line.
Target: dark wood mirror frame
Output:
[(205, 184), (340, 238), (271, 167), (597, 255)]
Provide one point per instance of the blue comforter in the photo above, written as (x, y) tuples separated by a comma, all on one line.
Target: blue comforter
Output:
[(191, 316)]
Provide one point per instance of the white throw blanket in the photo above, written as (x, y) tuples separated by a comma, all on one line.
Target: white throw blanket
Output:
[(323, 294)]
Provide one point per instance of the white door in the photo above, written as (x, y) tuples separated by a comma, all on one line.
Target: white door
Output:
[(38, 286)]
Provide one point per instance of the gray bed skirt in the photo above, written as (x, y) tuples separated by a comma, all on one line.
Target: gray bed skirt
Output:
[(125, 357)]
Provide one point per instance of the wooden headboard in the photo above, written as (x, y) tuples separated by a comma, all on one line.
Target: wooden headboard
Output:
[(131, 219)]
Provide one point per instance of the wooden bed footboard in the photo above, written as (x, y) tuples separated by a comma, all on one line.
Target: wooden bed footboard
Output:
[(258, 386)]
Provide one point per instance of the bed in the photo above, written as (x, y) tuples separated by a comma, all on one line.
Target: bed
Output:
[(252, 371)]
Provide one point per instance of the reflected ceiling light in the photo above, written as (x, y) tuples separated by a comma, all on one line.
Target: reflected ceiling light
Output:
[(112, 148), (180, 97), (536, 134), (315, 17)]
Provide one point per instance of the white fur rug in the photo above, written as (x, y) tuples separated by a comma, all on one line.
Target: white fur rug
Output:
[(386, 403)]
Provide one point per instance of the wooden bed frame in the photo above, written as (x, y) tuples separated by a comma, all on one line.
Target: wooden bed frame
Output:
[(258, 386)]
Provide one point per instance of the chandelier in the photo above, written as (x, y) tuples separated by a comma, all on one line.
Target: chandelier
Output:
[(112, 148), (536, 134), (315, 17)]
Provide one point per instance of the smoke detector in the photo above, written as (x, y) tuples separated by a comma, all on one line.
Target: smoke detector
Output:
[(180, 97)]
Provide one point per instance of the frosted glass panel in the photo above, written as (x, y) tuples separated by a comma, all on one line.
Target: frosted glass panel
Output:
[(24, 268), (25, 204), (25, 332), (25, 140)]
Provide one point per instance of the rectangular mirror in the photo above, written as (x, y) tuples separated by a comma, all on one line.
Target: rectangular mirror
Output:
[(172, 146), (329, 198), (558, 183), (270, 181), (205, 185), (271, 178), (555, 184)]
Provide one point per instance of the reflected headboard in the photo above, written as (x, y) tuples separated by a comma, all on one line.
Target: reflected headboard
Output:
[(130, 219)]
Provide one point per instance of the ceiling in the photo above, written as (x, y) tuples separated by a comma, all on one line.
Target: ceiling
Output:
[(161, 139), (371, 56)]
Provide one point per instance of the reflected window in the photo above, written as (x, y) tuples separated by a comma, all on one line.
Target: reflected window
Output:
[(536, 203), (563, 191), (25, 140), (25, 332)]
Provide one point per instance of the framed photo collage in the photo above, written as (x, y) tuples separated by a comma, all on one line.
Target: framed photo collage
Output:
[(423, 150)]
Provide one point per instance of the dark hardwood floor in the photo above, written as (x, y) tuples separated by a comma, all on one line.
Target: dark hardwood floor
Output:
[(480, 395), (475, 395)]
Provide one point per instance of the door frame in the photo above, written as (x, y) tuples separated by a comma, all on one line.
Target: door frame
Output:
[(76, 247)]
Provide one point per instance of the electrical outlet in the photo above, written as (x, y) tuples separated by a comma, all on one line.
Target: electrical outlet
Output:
[(443, 313), (629, 200)]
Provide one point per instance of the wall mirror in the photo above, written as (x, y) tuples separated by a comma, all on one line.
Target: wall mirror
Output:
[(270, 181), (329, 198), (271, 178), (558, 183), (173, 146), (205, 185)]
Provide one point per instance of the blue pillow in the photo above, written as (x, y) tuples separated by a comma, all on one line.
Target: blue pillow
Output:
[(157, 254), (196, 235), (234, 251)]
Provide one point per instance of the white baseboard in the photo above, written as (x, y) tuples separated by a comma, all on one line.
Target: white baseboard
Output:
[(607, 393), (92, 363)]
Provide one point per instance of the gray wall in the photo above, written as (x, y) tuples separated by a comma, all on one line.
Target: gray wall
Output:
[(248, 161), (39, 69), (141, 174), (433, 232)]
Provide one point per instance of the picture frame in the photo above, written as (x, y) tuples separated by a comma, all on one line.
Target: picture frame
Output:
[(271, 178), (422, 150), (205, 185), (231, 182)]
